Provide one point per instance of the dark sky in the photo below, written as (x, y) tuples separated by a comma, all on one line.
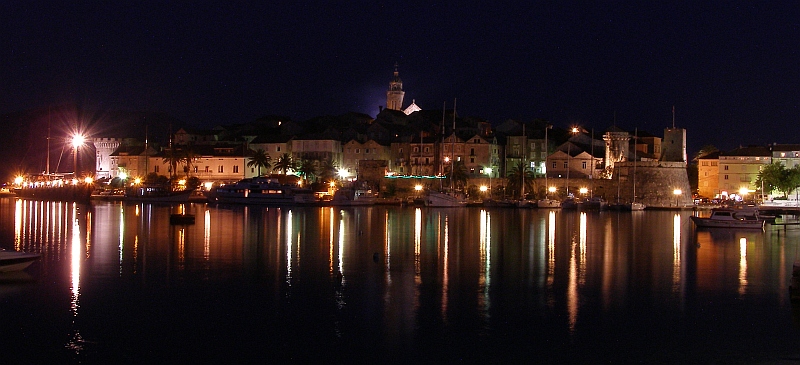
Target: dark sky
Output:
[(730, 68)]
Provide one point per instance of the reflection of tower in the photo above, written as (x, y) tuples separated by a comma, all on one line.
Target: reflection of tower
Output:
[(394, 96), (673, 148), (616, 146)]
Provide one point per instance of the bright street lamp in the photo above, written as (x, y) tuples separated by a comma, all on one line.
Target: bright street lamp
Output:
[(77, 141), (677, 193)]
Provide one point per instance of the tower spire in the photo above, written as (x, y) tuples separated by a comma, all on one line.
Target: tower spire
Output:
[(394, 96)]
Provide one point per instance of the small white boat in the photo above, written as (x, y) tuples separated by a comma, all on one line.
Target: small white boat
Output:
[(15, 260), (729, 218), (353, 197), (548, 204), (438, 199)]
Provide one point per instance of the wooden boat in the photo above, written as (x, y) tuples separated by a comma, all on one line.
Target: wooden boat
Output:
[(353, 197), (729, 218), (15, 260), (260, 190), (548, 204), (594, 203), (440, 199), (157, 193)]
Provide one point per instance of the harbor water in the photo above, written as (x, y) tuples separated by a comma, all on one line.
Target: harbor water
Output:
[(117, 283)]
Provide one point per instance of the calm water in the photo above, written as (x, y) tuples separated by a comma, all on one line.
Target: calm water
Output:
[(118, 284)]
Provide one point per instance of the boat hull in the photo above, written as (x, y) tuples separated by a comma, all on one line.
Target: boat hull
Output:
[(441, 200), (719, 223), (16, 261)]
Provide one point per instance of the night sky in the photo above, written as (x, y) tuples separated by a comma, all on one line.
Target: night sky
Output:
[(730, 68)]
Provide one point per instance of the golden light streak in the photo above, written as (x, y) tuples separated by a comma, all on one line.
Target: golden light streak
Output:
[(207, 234), (551, 247), (18, 225), (121, 236), (742, 265), (445, 271), (341, 246), (289, 247), (676, 253)]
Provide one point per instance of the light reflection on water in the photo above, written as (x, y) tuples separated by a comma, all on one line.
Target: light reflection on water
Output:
[(406, 280)]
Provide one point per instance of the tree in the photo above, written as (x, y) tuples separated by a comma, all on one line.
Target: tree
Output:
[(705, 150), (518, 177), (307, 169), (173, 158), (188, 156), (458, 175), (327, 170), (259, 159), (284, 164), (776, 176)]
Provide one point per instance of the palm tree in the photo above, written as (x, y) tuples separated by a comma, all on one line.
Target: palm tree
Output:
[(188, 156), (518, 176), (307, 169), (259, 159), (284, 164), (327, 170), (173, 158), (458, 175)]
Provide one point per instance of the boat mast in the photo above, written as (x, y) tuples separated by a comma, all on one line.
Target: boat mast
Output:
[(635, 138), (524, 159), (546, 153), (441, 169), (453, 148), (47, 165)]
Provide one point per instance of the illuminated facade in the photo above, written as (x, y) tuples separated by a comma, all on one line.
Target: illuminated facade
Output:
[(394, 96)]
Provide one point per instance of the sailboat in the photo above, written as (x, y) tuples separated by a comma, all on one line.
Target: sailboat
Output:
[(634, 205), (444, 198)]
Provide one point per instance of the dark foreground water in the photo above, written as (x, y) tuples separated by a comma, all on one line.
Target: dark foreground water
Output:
[(118, 284)]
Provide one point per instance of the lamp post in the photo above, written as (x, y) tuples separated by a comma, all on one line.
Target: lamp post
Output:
[(574, 131), (77, 141), (488, 171), (677, 193)]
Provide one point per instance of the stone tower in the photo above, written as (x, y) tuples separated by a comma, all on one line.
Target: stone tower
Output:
[(394, 96), (617, 148), (673, 148)]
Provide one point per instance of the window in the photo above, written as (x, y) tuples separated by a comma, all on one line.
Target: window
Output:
[(427, 149), (236, 169), (726, 168), (565, 164), (726, 177), (358, 150), (554, 164), (583, 165), (472, 151), (155, 169), (207, 169), (400, 150), (416, 149), (278, 149), (220, 169), (472, 160), (195, 169)]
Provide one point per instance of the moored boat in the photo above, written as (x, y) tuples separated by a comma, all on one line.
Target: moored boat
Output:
[(353, 197), (729, 218), (548, 204), (15, 260), (259, 190), (441, 199), (157, 193)]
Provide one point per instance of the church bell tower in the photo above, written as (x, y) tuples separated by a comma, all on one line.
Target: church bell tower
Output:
[(394, 96)]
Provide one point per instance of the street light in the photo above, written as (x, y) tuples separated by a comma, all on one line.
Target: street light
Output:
[(574, 131), (677, 193), (77, 141), (488, 171)]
